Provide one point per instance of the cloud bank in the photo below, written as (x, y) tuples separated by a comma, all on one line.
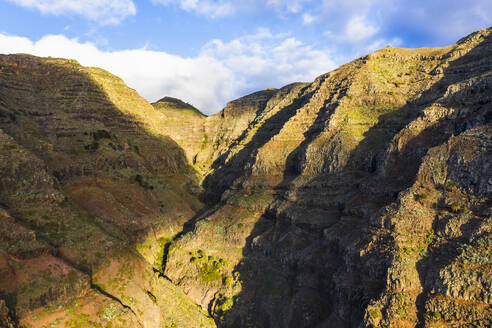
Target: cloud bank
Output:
[(221, 72)]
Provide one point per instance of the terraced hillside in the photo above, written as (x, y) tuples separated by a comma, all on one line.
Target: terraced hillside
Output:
[(91, 190), (362, 199)]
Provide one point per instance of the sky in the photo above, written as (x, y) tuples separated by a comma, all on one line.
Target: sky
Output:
[(209, 52)]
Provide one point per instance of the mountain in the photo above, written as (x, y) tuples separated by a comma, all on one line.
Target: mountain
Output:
[(362, 199), (91, 191)]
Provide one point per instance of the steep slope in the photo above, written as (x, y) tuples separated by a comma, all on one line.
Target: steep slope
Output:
[(87, 180), (205, 139), (184, 123), (363, 198)]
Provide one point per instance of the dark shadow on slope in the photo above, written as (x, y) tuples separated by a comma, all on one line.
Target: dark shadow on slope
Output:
[(60, 114), (298, 274), (296, 161), (240, 165), (221, 159), (440, 256)]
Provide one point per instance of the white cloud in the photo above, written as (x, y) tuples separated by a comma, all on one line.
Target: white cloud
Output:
[(219, 8), (222, 72), (210, 8), (265, 60), (381, 43), (444, 21), (357, 29), (105, 12), (308, 19), (438, 21), (292, 6)]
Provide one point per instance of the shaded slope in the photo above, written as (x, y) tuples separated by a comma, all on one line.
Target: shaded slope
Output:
[(87, 180)]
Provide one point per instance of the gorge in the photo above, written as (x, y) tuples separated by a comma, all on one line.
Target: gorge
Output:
[(362, 199)]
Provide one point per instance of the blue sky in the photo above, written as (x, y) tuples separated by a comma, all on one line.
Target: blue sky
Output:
[(208, 52)]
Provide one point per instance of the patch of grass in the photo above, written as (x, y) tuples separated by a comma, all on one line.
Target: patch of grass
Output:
[(430, 237), (374, 314), (209, 272)]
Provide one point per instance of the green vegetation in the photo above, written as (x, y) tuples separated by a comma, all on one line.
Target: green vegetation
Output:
[(210, 267), (437, 315), (478, 252), (401, 309), (430, 237), (164, 245), (228, 282), (210, 272), (455, 206), (223, 305), (110, 312), (375, 314)]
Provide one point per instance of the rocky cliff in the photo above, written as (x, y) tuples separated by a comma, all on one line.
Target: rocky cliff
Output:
[(362, 199)]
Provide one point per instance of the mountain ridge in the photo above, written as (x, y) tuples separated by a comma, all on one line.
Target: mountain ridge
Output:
[(360, 199)]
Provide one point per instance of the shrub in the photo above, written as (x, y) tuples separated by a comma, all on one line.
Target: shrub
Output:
[(209, 272), (455, 206), (228, 281)]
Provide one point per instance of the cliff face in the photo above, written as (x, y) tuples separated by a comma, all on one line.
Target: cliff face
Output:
[(361, 199)]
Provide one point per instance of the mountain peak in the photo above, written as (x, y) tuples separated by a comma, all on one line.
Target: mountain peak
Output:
[(175, 104)]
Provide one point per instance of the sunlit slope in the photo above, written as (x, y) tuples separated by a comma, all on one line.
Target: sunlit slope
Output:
[(362, 198)]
